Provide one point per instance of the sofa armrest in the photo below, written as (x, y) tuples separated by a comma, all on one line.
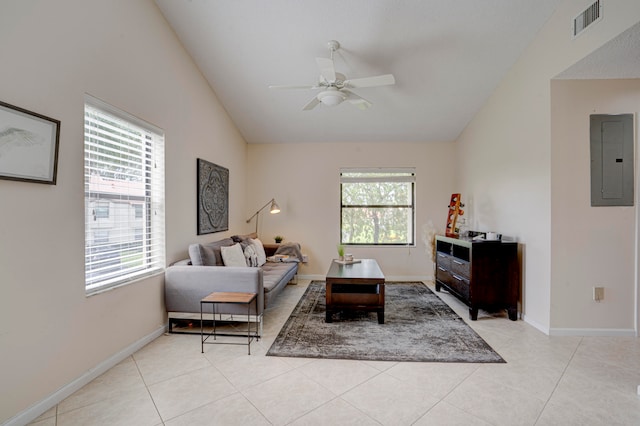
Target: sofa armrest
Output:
[(185, 286)]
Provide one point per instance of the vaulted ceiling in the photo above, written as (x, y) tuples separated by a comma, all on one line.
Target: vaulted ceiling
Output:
[(446, 56)]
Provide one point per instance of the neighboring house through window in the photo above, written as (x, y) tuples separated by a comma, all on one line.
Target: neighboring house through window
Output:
[(137, 211), (100, 210), (377, 206), (124, 197)]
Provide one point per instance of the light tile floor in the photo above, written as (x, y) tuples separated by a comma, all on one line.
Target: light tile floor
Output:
[(546, 381)]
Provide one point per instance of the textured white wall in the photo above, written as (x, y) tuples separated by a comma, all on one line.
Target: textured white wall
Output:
[(505, 151), (124, 53), (593, 246), (305, 181)]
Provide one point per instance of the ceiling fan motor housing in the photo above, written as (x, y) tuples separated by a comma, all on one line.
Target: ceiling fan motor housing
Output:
[(333, 45), (338, 82)]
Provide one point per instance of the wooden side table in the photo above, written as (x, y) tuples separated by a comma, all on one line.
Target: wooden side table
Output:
[(270, 248), (229, 297)]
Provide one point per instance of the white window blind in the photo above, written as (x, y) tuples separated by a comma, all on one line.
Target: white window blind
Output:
[(377, 206), (124, 197)]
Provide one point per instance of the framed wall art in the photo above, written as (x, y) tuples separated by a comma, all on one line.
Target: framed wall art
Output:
[(28, 145), (213, 198)]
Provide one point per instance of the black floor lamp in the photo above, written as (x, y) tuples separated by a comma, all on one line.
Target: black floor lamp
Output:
[(273, 210)]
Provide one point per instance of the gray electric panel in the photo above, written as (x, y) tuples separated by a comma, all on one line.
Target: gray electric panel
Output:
[(612, 160)]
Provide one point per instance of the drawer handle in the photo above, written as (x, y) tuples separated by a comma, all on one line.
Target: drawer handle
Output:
[(457, 262), (442, 269), (457, 277)]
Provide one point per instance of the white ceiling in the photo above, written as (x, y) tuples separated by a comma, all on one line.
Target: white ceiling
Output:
[(447, 58)]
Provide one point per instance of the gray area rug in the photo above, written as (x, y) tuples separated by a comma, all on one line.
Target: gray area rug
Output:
[(418, 326)]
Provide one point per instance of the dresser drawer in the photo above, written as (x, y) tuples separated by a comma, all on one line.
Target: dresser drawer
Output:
[(460, 267), (460, 285), (443, 275), (443, 260)]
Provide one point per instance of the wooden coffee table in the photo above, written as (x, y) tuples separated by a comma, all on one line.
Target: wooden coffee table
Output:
[(355, 287)]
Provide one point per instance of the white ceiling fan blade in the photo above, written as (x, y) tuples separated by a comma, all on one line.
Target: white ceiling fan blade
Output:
[(312, 104), (357, 100), (379, 80), (327, 69), (292, 87)]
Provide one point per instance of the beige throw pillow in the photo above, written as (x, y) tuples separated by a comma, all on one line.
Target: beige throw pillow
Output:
[(233, 255)]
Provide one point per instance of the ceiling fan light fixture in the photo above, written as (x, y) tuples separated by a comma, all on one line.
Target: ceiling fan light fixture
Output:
[(331, 97), (335, 86)]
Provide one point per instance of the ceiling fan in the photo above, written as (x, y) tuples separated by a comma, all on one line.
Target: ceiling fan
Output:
[(335, 86)]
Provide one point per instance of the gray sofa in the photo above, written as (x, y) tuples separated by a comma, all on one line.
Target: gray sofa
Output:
[(190, 280)]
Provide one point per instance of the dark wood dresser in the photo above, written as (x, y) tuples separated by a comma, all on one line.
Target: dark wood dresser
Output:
[(482, 274)]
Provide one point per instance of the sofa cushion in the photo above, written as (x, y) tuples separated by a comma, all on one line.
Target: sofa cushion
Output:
[(208, 254), (233, 255), (273, 273)]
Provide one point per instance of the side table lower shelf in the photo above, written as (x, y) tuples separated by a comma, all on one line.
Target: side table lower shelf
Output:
[(235, 298)]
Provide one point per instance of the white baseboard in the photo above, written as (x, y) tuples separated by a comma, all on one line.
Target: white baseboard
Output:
[(535, 325), (605, 332), (36, 410)]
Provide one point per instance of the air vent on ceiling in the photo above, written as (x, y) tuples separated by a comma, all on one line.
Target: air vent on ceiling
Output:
[(589, 16)]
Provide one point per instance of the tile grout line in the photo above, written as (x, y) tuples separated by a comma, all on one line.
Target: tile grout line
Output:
[(241, 391), (146, 386), (544, 407), (451, 391), (339, 396)]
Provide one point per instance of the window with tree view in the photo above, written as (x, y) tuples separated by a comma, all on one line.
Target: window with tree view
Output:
[(377, 206), (124, 197)]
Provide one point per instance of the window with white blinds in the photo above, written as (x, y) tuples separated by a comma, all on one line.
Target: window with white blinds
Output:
[(377, 206), (123, 196)]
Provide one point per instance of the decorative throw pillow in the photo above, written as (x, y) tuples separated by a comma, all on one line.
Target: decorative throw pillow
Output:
[(233, 255), (259, 249), (208, 254), (250, 254), (195, 254)]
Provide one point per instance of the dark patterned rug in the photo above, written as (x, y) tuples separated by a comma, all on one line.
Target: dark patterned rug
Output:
[(418, 326)]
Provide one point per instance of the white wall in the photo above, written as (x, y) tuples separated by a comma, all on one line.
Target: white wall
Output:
[(593, 246), (505, 152), (124, 53), (305, 180)]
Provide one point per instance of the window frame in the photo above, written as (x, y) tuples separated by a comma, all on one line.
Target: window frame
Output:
[(128, 154), (410, 177)]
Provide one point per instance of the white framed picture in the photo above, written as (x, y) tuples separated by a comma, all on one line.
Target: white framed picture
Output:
[(28, 145)]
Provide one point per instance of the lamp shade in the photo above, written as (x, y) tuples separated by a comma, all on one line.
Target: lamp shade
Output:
[(274, 207), (273, 210)]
